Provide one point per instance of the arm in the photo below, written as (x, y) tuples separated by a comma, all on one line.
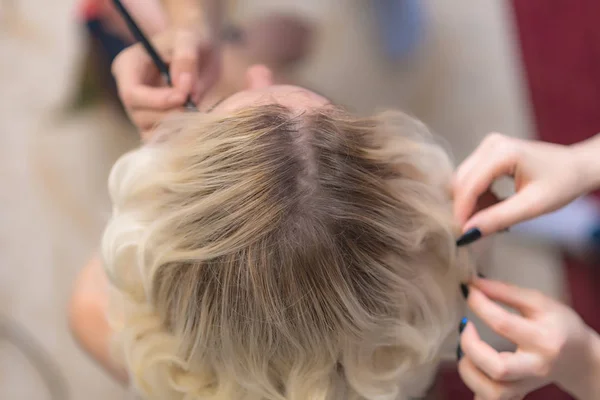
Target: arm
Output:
[(586, 386), (87, 317), (202, 13), (149, 14), (195, 64), (588, 156)]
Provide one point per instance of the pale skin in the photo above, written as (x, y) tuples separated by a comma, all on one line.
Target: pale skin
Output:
[(553, 344), (196, 57), (146, 96), (192, 48), (204, 57), (87, 317), (547, 176)]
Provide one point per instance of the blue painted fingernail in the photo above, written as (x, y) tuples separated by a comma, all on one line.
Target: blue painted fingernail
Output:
[(459, 353), (469, 237), (462, 325)]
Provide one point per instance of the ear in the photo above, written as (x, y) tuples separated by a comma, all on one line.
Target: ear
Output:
[(258, 76)]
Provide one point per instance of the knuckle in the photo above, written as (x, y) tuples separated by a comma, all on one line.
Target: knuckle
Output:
[(541, 369), (142, 123), (553, 347), (502, 325), (494, 139), (499, 372), (185, 50), (184, 56), (538, 299), (127, 96), (508, 150), (502, 144)]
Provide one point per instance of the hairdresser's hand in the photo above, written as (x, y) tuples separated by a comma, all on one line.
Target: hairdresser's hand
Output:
[(547, 177), (553, 345), (144, 93), (196, 58)]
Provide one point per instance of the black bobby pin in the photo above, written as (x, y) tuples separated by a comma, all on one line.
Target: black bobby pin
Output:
[(163, 68)]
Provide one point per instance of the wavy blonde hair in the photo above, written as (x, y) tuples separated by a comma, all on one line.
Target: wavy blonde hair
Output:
[(276, 255)]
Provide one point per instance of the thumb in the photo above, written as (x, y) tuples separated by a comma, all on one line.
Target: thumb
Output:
[(184, 63), (524, 205)]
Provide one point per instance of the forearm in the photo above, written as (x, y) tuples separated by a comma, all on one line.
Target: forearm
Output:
[(149, 14), (203, 13), (588, 158), (87, 318), (586, 385)]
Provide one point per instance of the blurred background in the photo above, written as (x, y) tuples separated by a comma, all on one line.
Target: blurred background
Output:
[(528, 68)]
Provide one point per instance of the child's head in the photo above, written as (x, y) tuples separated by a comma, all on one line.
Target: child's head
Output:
[(283, 250)]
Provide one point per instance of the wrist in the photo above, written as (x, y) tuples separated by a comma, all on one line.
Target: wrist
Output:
[(586, 384), (586, 155), (201, 17)]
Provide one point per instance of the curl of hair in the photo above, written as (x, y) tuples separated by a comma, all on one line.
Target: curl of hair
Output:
[(271, 255)]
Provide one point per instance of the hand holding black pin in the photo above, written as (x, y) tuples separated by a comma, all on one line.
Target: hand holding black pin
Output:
[(163, 68)]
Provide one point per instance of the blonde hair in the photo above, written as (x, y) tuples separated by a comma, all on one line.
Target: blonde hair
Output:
[(276, 255)]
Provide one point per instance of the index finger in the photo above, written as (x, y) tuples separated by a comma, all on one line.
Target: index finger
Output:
[(504, 367), (526, 301), (185, 60), (144, 97), (528, 203), (513, 327), (478, 172)]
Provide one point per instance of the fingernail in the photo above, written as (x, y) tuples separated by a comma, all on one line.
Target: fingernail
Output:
[(469, 237), (462, 325), (465, 290), (459, 352)]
